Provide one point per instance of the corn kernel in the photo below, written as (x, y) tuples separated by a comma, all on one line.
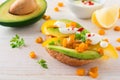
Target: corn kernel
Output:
[(100, 50), (101, 32), (56, 9), (39, 40), (80, 72), (106, 40), (93, 75), (118, 40), (64, 42), (93, 72), (117, 28), (60, 4), (73, 24), (118, 48), (32, 54)]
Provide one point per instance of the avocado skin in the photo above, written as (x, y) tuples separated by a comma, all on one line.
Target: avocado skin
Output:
[(22, 23), (86, 55)]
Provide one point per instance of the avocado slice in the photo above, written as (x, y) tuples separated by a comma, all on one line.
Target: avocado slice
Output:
[(54, 31), (11, 20), (86, 55)]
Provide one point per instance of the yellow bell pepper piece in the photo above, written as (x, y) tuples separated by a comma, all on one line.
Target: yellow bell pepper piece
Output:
[(45, 43), (111, 52), (47, 24)]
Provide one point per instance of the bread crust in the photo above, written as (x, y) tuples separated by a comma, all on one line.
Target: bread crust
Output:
[(68, 60)]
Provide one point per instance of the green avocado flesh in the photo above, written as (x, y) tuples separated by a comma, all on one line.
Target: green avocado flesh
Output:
[(11, 20), (86, 55), (55, 31)]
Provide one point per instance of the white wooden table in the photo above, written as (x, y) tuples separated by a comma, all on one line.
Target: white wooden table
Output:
[(15, 64)]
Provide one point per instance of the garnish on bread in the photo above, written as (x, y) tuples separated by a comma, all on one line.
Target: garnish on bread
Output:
[(72, 44)]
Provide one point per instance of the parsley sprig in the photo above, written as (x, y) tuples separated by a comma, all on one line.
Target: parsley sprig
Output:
[(42, 62), (17, 42)]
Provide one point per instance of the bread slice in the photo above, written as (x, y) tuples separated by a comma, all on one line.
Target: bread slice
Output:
[(68, 60)]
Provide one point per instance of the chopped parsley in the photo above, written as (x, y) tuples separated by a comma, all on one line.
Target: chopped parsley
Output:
[(81, 36), (55, 42), (17, 42), (52, 43), (42, 62)]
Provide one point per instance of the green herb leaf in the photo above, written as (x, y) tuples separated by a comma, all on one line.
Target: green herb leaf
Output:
[(81, 36), (44, 66), (17, 36), (42, 62), (52, 43), (17, 42)]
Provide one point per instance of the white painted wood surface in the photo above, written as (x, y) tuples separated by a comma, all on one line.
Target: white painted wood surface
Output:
[(15, 64)]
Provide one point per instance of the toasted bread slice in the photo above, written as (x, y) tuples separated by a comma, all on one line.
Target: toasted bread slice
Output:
[(68, 60)]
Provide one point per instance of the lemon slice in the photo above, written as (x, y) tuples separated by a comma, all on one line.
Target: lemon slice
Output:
[(106, 17)]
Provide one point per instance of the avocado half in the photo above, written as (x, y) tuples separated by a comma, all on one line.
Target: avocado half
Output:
[(11, 20)]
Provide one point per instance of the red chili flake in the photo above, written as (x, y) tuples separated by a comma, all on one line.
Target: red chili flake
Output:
[(80, 29), (89, 35), (91, 3)]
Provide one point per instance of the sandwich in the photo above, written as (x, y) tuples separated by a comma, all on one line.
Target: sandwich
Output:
[(70, 43)]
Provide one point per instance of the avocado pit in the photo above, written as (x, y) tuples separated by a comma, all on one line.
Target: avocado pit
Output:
[(23, 7)]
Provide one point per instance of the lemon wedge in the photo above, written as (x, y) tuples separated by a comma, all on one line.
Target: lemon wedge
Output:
[(119, 12), (106, 17), (110, 52)]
